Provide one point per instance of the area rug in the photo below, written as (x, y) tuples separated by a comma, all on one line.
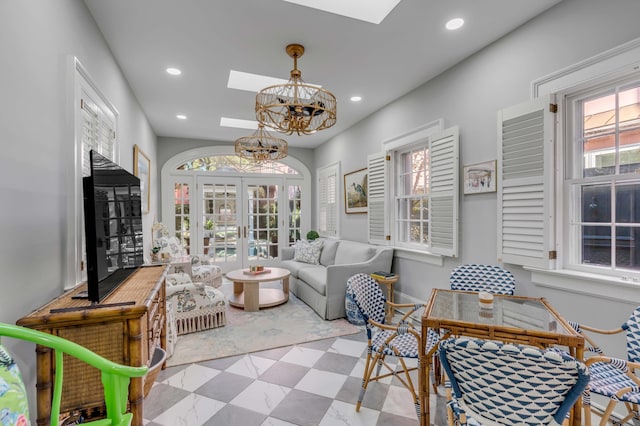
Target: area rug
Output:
[(288, 324)]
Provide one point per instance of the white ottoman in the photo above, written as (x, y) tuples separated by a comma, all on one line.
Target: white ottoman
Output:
[(197, 306)]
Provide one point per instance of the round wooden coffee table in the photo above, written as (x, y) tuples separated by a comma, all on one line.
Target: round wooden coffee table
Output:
[(247, 293)]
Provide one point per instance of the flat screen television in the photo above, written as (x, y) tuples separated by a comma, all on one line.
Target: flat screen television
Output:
[(113, 226)]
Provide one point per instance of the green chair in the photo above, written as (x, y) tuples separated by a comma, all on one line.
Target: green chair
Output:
[(115, 379)]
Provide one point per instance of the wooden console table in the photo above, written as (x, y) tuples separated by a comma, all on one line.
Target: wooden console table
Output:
[(125, 328)]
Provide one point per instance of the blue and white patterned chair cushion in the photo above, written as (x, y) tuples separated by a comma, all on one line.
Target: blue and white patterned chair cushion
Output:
[(308, 251), (353, 313), (511, 384), (476, 277)]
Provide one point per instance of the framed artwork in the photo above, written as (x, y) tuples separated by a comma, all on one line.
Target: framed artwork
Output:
[(142, 169), (479, 178), (355, 192)]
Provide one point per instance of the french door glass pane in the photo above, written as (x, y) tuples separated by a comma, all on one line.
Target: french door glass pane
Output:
[(220, 235), (295, 204), (262, 221), (181, 206)]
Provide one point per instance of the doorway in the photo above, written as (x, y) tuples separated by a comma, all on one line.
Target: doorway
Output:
[(236, 216)]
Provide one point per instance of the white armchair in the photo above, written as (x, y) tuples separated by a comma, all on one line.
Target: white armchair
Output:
[(202, 268)]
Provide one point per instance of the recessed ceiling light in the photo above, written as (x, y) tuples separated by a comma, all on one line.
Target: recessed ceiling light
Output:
[(454, 23), (181, 117), (364, 10), (355, 98), (238, 123), (173, 71)]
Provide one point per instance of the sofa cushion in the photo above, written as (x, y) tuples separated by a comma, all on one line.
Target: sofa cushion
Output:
[(308, 251), (315, 276), (328, 255), (351, 252), (293, 267)]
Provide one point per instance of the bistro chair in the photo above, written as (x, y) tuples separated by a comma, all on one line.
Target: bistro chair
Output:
[(13, 395), (496, 383), (401, 340), (614, 378), (477, 277)]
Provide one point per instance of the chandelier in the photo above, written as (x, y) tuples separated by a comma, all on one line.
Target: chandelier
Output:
[(296, 107), (261, 146)]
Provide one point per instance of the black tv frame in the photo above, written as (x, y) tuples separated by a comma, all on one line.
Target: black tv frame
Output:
[(113, 226)]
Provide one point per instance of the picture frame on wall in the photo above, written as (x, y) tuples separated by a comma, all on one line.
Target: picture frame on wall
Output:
[(480, 177), (355, 192), (142, 169)]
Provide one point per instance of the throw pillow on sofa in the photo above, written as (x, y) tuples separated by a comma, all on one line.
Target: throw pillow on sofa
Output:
[(307, 251)]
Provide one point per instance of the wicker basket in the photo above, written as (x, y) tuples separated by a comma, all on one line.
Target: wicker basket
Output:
[(159, 356)]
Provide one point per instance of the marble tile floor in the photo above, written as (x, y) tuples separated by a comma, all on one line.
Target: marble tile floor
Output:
[(315, 383)]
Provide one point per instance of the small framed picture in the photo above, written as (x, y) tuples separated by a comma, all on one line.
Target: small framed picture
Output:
[(355, 192), (480, 178)]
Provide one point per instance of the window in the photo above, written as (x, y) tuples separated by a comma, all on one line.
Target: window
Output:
[(411, 199), (569, 165), (416, 182), (95, 128), (602, 178), (328, 200)]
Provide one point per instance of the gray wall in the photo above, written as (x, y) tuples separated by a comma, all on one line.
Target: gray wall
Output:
[(37, 39), (469, 95)]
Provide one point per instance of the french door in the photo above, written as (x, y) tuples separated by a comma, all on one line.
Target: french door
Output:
[(240, 220)]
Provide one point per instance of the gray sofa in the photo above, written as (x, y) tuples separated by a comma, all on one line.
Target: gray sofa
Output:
[(323, 286)]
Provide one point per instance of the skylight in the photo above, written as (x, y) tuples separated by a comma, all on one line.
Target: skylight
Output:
[(238, 123), (251, 82), (364, 10)]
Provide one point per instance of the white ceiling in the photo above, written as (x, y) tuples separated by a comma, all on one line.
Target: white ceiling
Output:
[(208, 38)]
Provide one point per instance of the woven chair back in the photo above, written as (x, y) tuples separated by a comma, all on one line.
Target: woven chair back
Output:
[(511, 384), (632, 328), (368, 297), (477, 277)]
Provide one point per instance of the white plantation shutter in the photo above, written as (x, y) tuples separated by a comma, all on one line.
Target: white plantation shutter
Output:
[(97, 131), (444, 177), (328, 201), (525, 192), (378, 222)]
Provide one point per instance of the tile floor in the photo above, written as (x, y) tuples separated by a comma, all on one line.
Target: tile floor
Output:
[(315, 383)]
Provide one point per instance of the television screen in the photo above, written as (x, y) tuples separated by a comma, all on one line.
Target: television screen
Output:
[(113, 226)]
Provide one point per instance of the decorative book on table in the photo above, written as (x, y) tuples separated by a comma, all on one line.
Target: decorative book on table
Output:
[(383, 275)]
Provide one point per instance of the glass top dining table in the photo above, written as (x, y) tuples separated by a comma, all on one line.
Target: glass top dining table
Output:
[(514, 319)]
